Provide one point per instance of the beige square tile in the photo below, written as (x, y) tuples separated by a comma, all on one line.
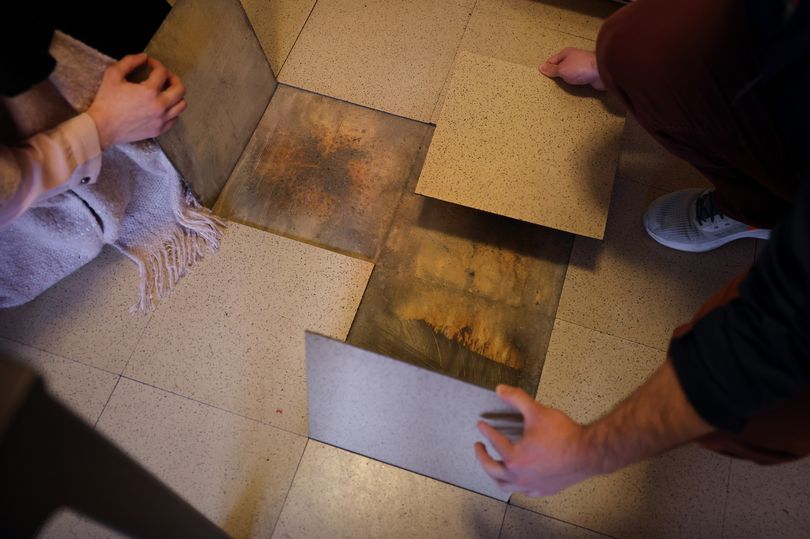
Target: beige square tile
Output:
[(520, 39), (234, 470), (517, 39), (680, 494), (582, 18), (67, 524), (233, 333), (586, 372), (84, 317), (768, 501), (277, 24), (630, 286), (645, 161), (338, 494), (388, 55), (522, 524), (522, 146), (212, 47), (84, 389)]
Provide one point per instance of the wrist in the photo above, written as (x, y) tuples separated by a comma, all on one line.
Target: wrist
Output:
[(104, 137), (594, 451)]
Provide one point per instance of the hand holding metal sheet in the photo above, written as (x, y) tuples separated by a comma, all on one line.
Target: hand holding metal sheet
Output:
[(549, 456)]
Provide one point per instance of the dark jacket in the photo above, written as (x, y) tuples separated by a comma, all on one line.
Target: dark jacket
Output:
[(754, 353)]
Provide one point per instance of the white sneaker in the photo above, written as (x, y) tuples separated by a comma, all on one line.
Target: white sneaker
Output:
[(688, 220)]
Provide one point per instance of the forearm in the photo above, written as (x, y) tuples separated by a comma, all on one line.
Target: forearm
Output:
[(47, 164), (655, 418)]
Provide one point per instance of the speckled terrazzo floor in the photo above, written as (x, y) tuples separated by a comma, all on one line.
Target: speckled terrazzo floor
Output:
[(329, 235)]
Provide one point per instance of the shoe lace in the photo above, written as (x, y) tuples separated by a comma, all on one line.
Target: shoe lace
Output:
[(706, 210)]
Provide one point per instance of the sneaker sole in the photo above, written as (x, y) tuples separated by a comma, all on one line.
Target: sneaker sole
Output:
[(759, 234)]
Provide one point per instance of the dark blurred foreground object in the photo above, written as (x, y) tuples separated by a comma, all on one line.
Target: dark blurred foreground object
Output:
[(26, 28), (49, 459)]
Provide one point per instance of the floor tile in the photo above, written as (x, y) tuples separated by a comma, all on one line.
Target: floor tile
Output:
[(581, 18), (524, 147), (522, 524), (588, 372), (277, 24), (212, 48), (644, 160), (679, 494), (450, 331), (324, 171), (67, 524), (768, 501), (232, 335), (338, 494), (234, 470), (84, 389), (630, 286), (517, 36), (423, 422), (585, 375), (84, 317), (388, 55)]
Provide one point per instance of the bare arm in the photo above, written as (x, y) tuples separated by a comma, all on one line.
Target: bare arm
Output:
[(555, 452)]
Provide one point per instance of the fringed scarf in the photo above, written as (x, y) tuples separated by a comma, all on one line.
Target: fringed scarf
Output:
[(139, 204)]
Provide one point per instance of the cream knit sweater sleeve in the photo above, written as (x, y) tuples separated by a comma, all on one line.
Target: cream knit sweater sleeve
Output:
[(47, 164)]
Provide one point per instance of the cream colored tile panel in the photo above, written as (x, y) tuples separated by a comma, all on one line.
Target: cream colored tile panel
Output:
[(277, 24), (83, 389), (233, 333), (630, 286), (645, 161), (680, 494), (588, 372), (768, 501), (67, 524), (389, 55), (518, 39), (338, 494), (84, 317), (582, 18), (522, 524), (234, 470), (512, 142)]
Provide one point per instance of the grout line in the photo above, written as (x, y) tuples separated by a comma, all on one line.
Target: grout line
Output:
[(95, 424), (612, 335), (287, 494), (301, 31), (59, 355), (138, 338), (503, 518), (221, 409), (342, 100), (560, 520), (453, 63), (728, 495)]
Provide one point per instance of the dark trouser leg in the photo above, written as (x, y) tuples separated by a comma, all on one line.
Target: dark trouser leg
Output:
[(677, 67), (771, 437)]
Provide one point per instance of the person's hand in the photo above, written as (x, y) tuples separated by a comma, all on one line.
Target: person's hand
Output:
[(127, 112), (551, 455), (574, 66)]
